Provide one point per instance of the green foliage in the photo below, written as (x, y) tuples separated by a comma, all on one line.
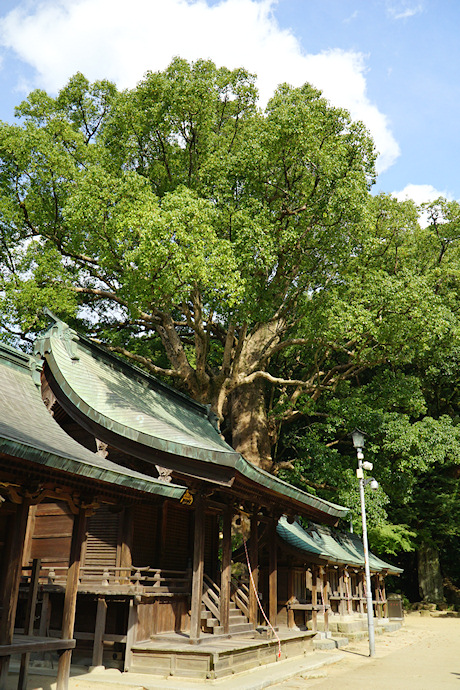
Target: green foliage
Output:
[(392, 539), (235, 250)]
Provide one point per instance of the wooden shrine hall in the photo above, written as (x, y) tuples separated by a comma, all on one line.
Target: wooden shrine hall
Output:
[(160, 490), (321, 576), (162, 560), (44, 472)]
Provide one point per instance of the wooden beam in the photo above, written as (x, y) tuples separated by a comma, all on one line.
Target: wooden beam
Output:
[(198, 570), (70, 599), (99, 630), (12, 581), (272, 574), (226, 574), (254, 565)]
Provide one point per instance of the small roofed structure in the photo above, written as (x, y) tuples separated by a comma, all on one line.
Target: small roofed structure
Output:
[(324, 574), (43, 471)]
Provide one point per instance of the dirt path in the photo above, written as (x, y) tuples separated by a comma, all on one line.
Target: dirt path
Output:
[(423, 655)]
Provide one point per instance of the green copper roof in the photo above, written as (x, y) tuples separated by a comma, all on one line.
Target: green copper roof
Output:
[(334, 547), (28, 431), (127, 402)]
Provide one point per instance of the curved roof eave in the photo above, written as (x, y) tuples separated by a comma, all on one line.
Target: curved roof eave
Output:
[(131, 418), (29, 432), (331, 547), (273, 483)]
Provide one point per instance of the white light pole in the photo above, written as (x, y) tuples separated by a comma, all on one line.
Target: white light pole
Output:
[(358, 442)]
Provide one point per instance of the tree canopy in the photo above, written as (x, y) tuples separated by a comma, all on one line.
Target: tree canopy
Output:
[(240, 254)]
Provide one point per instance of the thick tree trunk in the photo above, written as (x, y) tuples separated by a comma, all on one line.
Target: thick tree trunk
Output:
[(250, 427), (429, 574)]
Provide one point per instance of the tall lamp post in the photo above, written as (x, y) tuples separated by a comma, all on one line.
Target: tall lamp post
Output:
[(358, 442)]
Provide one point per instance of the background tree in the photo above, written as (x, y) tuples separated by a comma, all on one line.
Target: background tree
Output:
[(410, 408)]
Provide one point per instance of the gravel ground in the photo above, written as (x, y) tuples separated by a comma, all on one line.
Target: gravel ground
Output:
[(423, 655)]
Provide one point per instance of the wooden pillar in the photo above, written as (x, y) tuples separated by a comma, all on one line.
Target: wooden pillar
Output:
[(378, 600), (70, 599), (361, 592), (198, 570), (290, 595), (131, 633), (254, 564), (226, 575), (11, 582), (163, 532), (341, 593), (272, 574), (325, 596), (45, 615), (314, 597), (127, 542), (384, 595), (29, 621), (215, 571), (99, 630)]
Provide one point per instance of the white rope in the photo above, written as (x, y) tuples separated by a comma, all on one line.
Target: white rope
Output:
[(258, 600)]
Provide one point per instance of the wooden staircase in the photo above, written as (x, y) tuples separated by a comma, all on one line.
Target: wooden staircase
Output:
[(210, 612)]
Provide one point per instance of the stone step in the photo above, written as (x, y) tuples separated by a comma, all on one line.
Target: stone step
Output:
[(241, 628), (391, 627), (330, 643)]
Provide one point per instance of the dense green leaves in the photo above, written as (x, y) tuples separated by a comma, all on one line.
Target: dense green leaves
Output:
[(241, 254)]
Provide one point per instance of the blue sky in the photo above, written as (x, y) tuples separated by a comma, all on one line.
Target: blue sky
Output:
[(392, 63)]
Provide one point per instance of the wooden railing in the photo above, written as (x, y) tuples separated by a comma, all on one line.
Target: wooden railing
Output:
[(145, 579), (240, 595), (211, 596)]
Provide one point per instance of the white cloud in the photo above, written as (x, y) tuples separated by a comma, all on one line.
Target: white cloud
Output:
[(121, 41), (404, 9), (421, 194)]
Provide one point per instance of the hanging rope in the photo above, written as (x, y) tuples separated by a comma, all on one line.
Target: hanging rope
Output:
[(258, 600)]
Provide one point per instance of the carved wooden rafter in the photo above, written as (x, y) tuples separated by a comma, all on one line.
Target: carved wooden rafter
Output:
[(15, 493)]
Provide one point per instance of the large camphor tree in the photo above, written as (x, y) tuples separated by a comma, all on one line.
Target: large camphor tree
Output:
[(234, 251)]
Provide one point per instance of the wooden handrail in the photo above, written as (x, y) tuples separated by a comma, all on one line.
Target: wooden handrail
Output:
[(106, 576)]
